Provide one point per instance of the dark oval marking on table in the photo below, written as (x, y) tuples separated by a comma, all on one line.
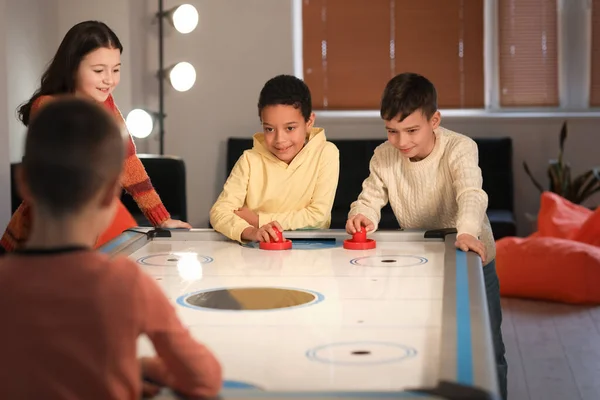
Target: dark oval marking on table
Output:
[(250, 298), (398, 261), (171, 260), (360, 353)]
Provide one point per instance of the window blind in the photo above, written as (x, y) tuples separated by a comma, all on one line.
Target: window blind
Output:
[(352, 48), (528, 53)]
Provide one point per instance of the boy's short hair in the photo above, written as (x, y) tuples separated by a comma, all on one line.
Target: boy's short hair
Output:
[(73, 149), (406, 93), (287, 90)]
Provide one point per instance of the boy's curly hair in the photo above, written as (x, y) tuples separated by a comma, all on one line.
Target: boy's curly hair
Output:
[(287, 90)]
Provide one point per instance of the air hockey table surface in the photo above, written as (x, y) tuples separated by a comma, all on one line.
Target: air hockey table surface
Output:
[(407, 319)]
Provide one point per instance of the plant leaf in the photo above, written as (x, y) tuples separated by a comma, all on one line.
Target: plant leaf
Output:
[(590, 193), (556, 175), (590, 185), (563, 137), (581, 182), (535, 182), (581, 179), (593, 176), (566, 182)]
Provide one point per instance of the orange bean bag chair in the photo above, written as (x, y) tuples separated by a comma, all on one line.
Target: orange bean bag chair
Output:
[(590, 230), (548, 268), (560, 218), (122, 221), (560, 262)]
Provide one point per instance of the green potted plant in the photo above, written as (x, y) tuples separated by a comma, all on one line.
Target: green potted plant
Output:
[(559, 174)]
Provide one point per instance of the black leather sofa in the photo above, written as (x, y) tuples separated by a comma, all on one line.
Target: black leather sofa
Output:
[(168, 175), (495, 160)]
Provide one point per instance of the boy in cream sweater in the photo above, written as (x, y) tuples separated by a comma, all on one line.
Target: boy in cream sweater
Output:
[(288, 179), (431, 177)]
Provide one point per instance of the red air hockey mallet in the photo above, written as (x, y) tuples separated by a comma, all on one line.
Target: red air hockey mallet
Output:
[(359, 241), (280, 244)]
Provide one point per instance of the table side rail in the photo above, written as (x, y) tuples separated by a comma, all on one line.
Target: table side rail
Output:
[(466, 354), (125, 244), (203, 234)]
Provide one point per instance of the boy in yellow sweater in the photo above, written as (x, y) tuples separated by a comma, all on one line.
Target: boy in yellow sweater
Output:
[(288, 179), (431, 177)]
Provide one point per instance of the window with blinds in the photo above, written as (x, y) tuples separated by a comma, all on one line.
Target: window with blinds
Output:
[(595, 56), (528, 53), (352, 48)]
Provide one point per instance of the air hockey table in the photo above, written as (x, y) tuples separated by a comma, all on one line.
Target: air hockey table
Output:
[(407, 319)]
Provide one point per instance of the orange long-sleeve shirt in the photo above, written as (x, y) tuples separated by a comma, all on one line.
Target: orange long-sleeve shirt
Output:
[(134, 180), (71, 320)]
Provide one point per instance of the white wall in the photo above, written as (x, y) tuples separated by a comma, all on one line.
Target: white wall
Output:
[(27, 30), (4, 133), (31, 34)]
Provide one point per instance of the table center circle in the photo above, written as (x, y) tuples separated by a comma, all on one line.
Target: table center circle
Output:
[(250, 298)]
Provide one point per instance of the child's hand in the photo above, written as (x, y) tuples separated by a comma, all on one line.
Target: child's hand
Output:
[(149, 389), (174, 224), (154, 375), (266, 233), (263, 234), (248, 215), (356, 222), (466, 242)]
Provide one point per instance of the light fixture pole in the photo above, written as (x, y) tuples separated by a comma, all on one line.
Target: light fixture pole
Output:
[(182, 75), (161, 82)]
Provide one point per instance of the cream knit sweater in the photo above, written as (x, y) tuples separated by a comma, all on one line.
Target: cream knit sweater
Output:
[(442, 190)]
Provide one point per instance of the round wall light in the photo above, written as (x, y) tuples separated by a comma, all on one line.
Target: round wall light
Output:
[(182, 76), (185, 18), (139, 123)]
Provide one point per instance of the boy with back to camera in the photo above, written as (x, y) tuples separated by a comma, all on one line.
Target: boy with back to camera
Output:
[(431, 177), (76, 314), (288, 179)]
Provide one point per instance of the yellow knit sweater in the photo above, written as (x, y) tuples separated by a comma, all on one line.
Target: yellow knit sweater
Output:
[(298, 196)]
